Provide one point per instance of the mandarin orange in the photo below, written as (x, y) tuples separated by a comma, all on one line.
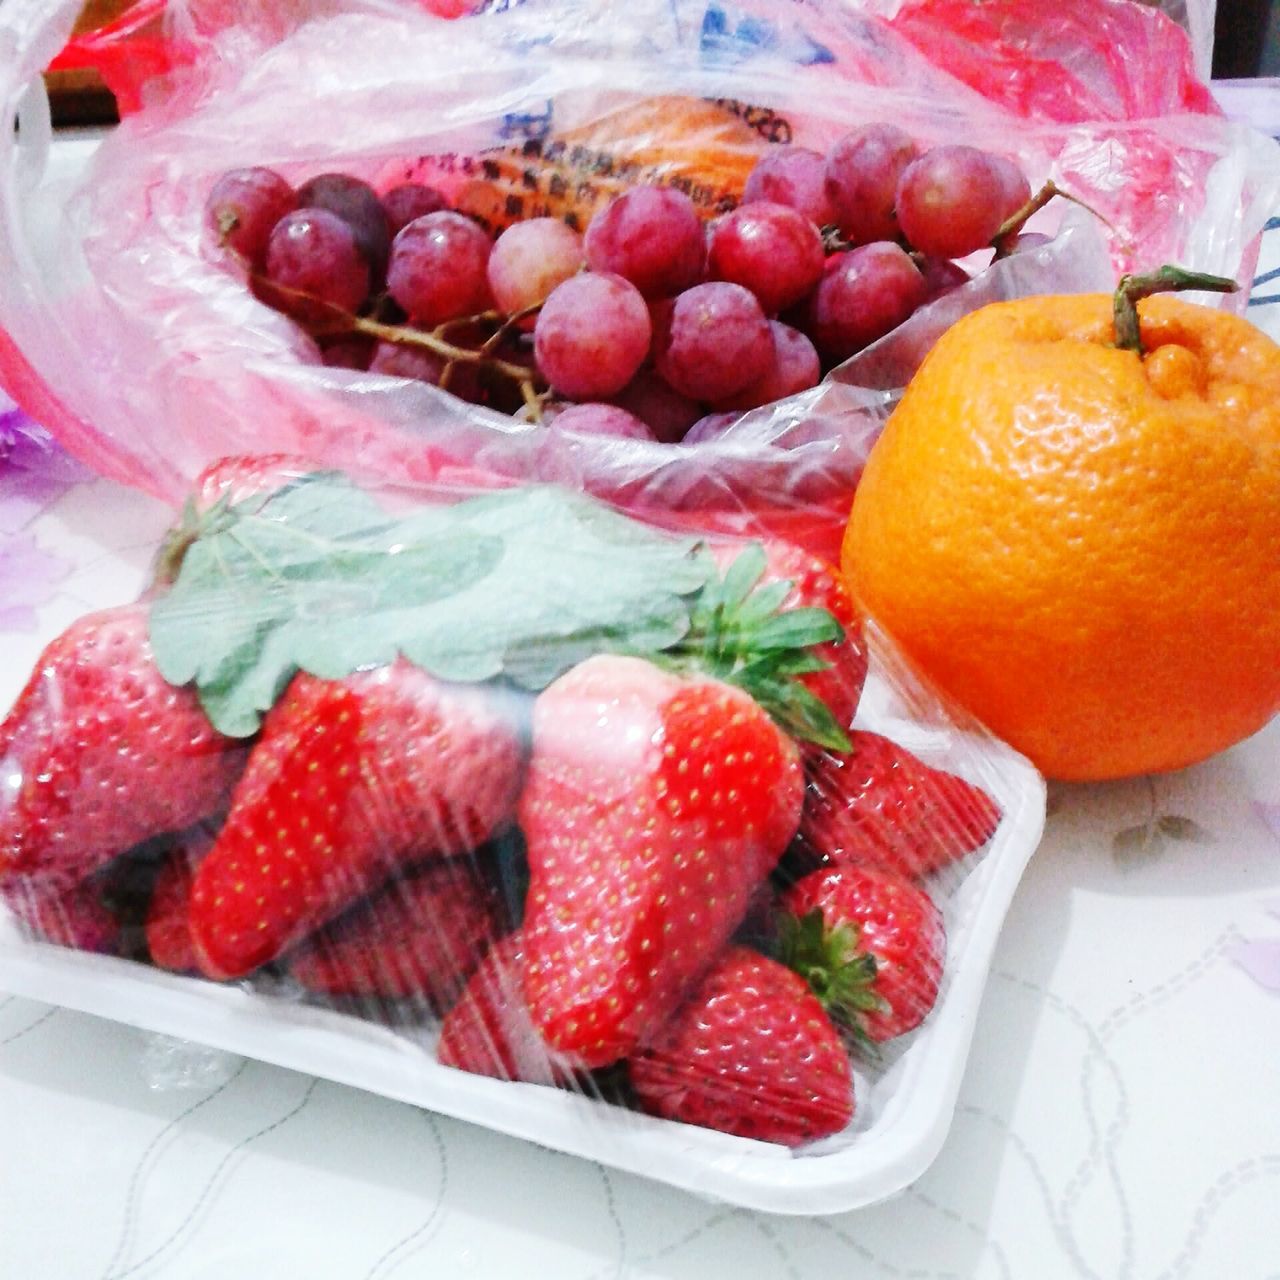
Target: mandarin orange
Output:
[(1081, 543)]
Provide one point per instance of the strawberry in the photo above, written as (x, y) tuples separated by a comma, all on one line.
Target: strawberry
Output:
[(75, 917), (654, 804), (99, 753), (419, 936), (168, 923), (222, 484), (351, 780), (815, 584), (489, 1031), (240, 476), (750, 1052), (870, 944), (879, 806)]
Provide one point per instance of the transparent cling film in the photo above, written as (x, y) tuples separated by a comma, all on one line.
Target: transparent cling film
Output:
[(632, 841)]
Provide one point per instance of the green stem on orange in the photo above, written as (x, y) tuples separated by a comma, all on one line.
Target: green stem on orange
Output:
[(1167, 279)]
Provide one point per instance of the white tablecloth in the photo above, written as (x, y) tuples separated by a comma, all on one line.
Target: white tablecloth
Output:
[(1119, 1118)]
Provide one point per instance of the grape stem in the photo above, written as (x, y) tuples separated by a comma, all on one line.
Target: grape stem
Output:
[(1167, 279), (403, 336), (324, 320), (1008, 230)]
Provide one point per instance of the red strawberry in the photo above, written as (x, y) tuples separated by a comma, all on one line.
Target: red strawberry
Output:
[(242, 476), (351, 780), (75, 917), (99, 753), (880, 806), (489, 1031), (816, 585), (654, 805), (420, 936), (871, 945), (750, 1052), (230, 480), (168, 925)]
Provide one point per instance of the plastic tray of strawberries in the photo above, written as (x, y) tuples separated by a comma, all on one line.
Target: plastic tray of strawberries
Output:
[(631, 842)]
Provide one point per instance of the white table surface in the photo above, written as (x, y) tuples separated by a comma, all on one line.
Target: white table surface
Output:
[(1119, 1118)]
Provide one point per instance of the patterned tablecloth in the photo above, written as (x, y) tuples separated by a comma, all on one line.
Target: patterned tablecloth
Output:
[(1119, 1118)]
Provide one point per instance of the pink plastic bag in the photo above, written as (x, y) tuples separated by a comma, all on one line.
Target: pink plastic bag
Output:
[(133, 340)]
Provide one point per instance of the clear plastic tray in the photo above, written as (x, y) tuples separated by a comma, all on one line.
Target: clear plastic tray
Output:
[(904, 1111)]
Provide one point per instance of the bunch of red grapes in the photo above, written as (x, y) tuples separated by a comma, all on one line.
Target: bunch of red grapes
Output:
[(652, 325)]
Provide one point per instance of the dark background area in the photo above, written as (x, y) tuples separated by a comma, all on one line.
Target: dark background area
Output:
[(1245, 40)]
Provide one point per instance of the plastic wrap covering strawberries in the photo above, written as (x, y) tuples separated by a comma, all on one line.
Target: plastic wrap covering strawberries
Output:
[(508, 802), (130, 330)]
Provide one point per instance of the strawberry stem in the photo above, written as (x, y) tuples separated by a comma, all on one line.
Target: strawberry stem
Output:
[(1168, 279), (740, 633)]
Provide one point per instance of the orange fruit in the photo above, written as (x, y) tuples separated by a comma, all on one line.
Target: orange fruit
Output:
[(1079, 543)]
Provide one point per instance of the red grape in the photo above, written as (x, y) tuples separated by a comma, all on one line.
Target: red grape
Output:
[(596, 419), (408, 201), (714, 341), (351, 351), (438, 268), (863, 294), (767, 248), (863, 168), (794, 368), (951, 201), (315, 252), (529, 259), (244, 206), (941, 275), (794, 176), (422, 365), (1015, 189), (712, 427), (660, 407), (357, 204), (651, 236), (592, 334)]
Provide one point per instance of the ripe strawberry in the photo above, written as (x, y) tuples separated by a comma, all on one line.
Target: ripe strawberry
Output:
[(242, 476), (168, 924), (870, 944), (815, 584), (419, 936), (654, 805), (750, 1052), (99, 753), (489, 1031), (879, 806), (75, 917), (351, 780)]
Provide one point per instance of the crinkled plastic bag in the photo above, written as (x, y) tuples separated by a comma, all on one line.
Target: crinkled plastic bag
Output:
[(484, 801), (135, 342)]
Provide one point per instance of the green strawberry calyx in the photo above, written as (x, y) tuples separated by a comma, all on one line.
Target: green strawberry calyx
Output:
[(740, 633), (838, 970)]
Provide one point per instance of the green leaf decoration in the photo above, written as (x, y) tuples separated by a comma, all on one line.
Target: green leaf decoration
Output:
[(522, 583)]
